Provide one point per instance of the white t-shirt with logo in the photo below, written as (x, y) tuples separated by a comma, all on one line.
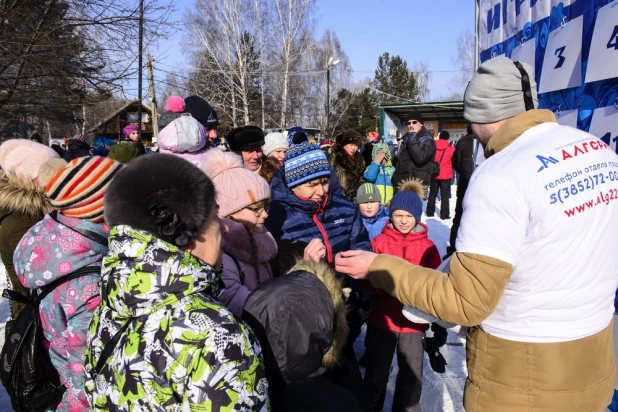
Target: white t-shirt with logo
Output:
[(548, 205)]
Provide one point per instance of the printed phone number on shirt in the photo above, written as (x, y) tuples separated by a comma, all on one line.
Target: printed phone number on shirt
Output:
[(588, 183)]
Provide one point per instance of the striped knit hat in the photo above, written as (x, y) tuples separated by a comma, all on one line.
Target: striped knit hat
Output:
[(304, 162), (77, 190)]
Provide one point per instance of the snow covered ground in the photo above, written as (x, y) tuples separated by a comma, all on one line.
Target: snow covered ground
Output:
[(441, 392)]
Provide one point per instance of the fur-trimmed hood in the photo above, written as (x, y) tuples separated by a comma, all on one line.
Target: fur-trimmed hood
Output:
[(326, 275), (300, 320), (22, 196)]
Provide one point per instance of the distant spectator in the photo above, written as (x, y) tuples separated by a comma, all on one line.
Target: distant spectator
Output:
[(131, 135), (346, 162), (36, 138), (76, 147), (442, 182)]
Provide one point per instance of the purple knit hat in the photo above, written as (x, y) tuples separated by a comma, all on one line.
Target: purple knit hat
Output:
[(128, 129)]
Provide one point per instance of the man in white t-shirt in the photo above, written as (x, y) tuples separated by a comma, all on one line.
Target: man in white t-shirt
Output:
[(536, 268)]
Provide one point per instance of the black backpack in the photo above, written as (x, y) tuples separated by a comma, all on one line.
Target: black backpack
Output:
[(27, 373)]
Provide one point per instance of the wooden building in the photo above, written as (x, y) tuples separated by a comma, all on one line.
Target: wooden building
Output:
[(112, 124)]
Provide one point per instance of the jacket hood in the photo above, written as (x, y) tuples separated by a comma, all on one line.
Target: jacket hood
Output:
[(22, 196), (442, 144), (419, 232), (52, 249), (236, 243), (300, 319), (382, 146), (514, 127), (382, 212), (143, 273)]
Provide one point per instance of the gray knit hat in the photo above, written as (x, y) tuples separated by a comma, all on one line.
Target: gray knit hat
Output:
[(495, 92), (367, 192)]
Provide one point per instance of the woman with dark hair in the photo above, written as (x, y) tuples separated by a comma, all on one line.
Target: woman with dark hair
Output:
[(347, 163), (160, 338)]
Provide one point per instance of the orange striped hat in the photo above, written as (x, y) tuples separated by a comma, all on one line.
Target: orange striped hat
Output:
[(77, 190)]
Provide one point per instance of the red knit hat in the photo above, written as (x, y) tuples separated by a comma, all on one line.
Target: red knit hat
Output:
[(77, 190)]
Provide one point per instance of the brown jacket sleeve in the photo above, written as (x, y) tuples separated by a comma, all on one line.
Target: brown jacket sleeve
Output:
[(465, 296)]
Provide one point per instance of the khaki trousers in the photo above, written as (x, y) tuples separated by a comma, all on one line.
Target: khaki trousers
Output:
[(508, 376)]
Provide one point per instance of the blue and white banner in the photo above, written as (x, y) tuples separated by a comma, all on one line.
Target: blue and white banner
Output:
[(573, 47)]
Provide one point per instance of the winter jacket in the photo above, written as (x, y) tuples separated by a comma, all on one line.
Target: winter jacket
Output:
[(337, 221), (415, 247), (50, 250), (22, 204), (381, 175), (349, 169), (463, 158), (444, 155), (76, 148), (300, 321), (238, 259), (415, 157), (182, 350), (376, 223)]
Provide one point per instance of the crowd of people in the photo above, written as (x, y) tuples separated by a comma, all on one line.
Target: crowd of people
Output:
[(198, 278)]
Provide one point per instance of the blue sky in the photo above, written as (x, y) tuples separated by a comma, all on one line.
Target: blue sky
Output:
[(417, 30)]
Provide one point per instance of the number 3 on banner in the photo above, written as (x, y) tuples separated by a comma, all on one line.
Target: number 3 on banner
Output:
[(562, 61), (603, 57)]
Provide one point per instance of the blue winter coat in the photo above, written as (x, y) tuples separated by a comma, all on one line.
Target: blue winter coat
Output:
[(337, 223), (376, 223)]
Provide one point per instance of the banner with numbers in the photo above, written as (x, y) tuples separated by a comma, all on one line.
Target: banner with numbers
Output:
[(573, 47)]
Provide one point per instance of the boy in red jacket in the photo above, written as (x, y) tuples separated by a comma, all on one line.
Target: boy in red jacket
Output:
[(403, 236)]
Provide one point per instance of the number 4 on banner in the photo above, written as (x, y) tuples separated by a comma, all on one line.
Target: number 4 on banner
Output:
[(604, 125), (603, 57), (613, 40), (608, 141)]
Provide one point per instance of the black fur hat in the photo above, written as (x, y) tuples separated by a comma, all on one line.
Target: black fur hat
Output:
[(245, 138), (349, 136), (162, 194)]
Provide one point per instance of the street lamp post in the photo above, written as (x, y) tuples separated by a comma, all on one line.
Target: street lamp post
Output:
[(331, 63)]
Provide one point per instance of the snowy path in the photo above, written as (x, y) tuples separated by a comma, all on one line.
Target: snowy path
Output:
[(441, 393)]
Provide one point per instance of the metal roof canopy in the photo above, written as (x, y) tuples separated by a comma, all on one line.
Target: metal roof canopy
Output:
[(440, 111)]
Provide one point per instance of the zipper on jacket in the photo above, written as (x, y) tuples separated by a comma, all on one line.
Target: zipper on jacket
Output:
[(329, 249)]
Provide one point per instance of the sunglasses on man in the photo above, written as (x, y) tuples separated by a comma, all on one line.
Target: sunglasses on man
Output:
[(412, 122)]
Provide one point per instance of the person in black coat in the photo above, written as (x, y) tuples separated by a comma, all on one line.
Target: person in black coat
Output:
[(76, 147), (300, 322), (463, 163), (416, 153)]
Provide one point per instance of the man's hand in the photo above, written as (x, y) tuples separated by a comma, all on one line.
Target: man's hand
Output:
[(315, 250), (354, 263), (379, 157)]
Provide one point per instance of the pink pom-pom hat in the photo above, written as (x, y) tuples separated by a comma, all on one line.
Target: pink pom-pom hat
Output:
[(175, 104)]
